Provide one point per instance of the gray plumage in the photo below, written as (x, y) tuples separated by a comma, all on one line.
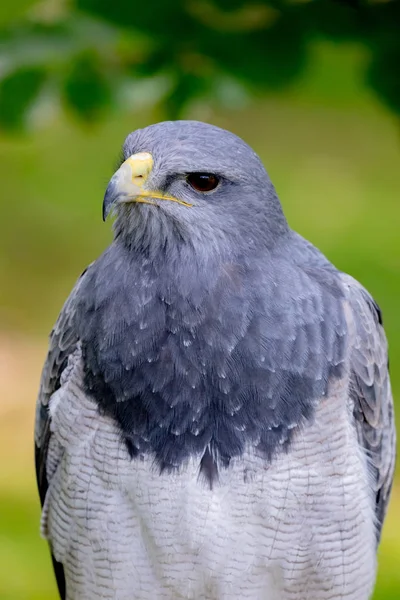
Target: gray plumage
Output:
[(212, 350)]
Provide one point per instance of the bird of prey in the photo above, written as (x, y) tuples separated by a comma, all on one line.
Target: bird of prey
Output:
[(215, 419)]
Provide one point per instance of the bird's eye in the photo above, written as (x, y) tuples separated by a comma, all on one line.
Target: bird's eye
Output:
[(203, 182)]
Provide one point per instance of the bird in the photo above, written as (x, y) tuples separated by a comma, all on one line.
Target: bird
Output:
[(215, 417)]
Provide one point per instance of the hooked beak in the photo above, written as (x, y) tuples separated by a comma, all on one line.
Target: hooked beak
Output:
[(127, 184)]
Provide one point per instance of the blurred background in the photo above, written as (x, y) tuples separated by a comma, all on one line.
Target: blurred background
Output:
[(313, 86)]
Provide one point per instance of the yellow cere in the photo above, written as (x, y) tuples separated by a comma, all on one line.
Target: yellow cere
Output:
[(141, 165)]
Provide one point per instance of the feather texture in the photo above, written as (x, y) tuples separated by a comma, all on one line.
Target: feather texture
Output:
[(371, 393)]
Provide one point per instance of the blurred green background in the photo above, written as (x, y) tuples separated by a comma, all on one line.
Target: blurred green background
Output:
[(330, 146)]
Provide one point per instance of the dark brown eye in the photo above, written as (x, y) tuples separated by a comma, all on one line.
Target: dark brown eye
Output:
[(203, 182)]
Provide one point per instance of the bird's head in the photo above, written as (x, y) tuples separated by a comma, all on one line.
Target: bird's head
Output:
[(195, 181)]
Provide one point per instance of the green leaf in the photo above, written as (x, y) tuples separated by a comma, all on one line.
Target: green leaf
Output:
[(87, 91), (339, 20), (187, 87), (164, 19), (153, 63), (230, 5), (267, 58), (383, 76), (49, 45), (18, 91)]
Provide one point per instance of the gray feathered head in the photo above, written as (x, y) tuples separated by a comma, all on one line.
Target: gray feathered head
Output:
[(193, 181)]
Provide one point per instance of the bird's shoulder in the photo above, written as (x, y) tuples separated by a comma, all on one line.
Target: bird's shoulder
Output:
[(370, 392), (61, 355), (65, 335), (366, 358), (62, 340), (300, 277)]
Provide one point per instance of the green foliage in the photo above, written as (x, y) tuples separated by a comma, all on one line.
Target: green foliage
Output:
[(86, 89), (384, 70), (92, 50), (18, 90), (168, 21)]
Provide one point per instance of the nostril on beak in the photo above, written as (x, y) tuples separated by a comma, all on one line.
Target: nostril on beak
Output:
[(139, 179)]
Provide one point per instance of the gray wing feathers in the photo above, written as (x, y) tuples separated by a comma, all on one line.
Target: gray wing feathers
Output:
[(371, 394), (64, 345), (63, 341)]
